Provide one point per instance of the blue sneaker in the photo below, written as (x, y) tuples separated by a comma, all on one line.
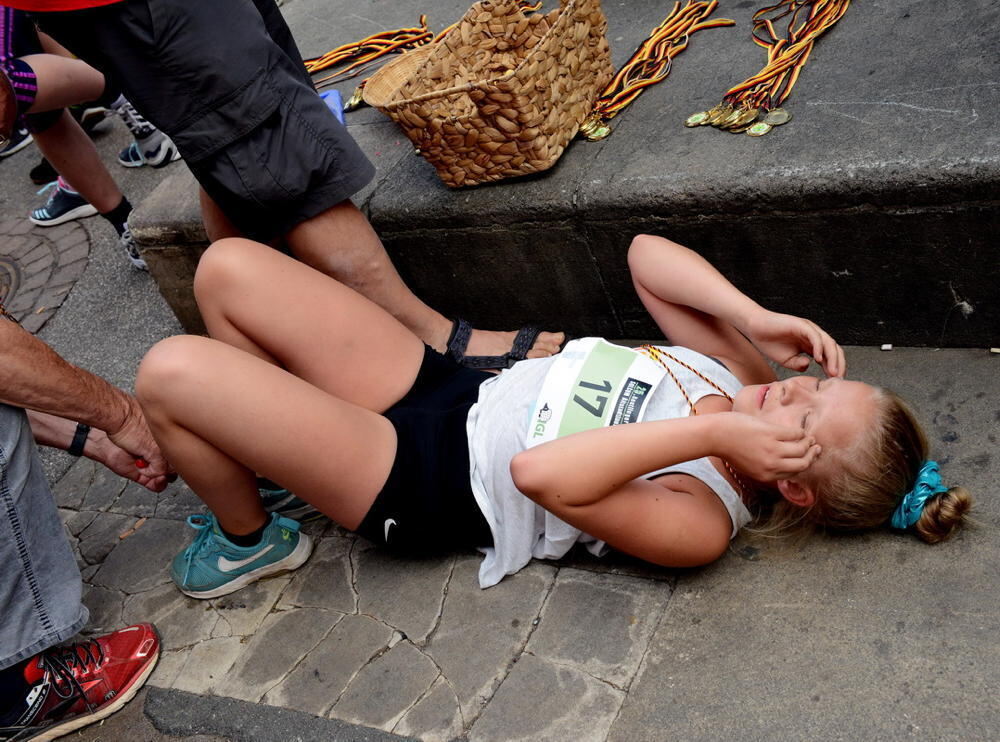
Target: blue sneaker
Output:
[(213, 566), (276, 499), (64, 205)]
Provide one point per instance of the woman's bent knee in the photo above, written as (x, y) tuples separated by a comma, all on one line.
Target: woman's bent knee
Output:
[(225, 263), (167, 367)]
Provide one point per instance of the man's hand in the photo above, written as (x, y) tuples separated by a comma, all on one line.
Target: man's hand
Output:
[(784, 339), (136, 441), (764, 451), (103, 450)]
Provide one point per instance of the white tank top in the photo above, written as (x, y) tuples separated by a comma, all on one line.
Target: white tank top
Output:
[(498, 428)]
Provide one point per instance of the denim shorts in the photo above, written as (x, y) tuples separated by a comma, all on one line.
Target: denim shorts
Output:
[(40, 586)]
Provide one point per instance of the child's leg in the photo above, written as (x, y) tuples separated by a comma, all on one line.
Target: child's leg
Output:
[(63, 82), (72, 153), (261, 301), (220, 415)]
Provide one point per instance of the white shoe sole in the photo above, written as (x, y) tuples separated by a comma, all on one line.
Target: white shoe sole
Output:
[(71, 726), (294, 560), (80, 212), (21, 145)]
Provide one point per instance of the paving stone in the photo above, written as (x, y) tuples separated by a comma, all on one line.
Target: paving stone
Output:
[(320, 679), (435, 718), (277, 647), (105, 608), (168, 667), (77, 521), (70, 490), (88, 572), (99, 538), (207, 662), (135, 500), (178, 502), (181, 621), (491, 625), (623, 611), (241, 613), (404, 592), (105, 487), (387, 687), (325, 580), (142, 561), (542, 701)]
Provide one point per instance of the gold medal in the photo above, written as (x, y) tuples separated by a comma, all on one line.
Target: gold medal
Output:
[(721, 114), (730, 120), (696, 119), (777, 117), (759, 129)]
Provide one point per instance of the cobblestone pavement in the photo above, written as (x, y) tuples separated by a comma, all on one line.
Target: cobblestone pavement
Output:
[(38, 268)]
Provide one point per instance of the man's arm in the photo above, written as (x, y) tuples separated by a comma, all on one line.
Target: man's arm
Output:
[(33, 376)]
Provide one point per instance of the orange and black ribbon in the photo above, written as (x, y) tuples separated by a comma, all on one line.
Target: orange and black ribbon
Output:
[(650, 63), (786, 56), (359, 54)]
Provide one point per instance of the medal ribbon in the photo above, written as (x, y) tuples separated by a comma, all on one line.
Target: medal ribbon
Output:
[(650, 63)]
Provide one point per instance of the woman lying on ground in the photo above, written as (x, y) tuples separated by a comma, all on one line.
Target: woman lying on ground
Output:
[(311, 385)]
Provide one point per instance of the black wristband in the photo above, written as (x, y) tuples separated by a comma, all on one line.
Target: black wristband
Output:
[(79, 440)]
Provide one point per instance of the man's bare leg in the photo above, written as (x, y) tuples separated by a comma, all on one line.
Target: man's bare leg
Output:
[(74, 156), (341, 243)]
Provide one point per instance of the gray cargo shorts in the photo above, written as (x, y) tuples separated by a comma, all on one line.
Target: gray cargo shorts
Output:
[(224, 79), (40, 586)]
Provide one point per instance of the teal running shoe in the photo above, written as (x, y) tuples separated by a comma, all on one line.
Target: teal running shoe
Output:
[(276, 499), (212, 566)]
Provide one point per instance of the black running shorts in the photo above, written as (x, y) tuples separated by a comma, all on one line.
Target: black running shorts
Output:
[(427, 505), (224, 79)]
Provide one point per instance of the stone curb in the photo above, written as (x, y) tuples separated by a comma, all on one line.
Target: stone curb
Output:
[(178, 713)]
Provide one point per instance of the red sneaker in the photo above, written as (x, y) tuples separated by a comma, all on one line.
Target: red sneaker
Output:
[(79, 684)]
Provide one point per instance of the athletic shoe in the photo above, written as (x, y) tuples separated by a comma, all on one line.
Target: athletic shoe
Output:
[(89, 115), (43, 173), (276, 499), (19, 139), (64, 205), (127, 241), (151, 146), (156, 150), (212, 565), (77, 685)]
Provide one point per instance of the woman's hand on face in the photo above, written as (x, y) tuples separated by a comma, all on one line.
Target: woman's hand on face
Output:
[(784, 339), (762, 450)]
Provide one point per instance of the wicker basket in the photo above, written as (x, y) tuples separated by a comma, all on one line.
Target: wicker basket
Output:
[(503, 93)]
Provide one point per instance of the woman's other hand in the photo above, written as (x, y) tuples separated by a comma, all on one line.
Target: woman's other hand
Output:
[(788, 340), (764, 451)]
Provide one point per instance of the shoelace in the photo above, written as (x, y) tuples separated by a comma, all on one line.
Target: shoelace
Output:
[(134, 121), (203, 525), (67, 662)]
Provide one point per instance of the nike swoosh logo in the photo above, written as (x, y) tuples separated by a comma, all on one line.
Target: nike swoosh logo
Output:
[(389, 523), (226, 565)]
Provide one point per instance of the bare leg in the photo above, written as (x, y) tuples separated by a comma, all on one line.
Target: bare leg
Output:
[(278, 309), (63, 82), (217, 225), (341, 243), (71, 152), (220, 415)]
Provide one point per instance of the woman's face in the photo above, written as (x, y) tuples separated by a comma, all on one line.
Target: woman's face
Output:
[(836, 412)]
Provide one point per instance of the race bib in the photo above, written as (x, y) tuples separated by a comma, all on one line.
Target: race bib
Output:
[(592, 384)]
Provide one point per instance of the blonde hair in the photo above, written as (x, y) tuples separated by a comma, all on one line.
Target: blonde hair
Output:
[(872, 480)]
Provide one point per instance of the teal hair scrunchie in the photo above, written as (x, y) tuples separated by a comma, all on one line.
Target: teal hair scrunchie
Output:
[(912, 505)]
